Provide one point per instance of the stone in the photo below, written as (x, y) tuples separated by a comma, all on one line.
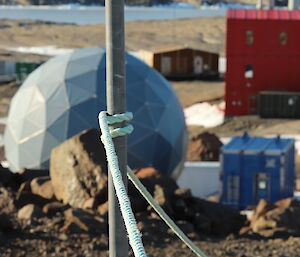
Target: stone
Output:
[(52, 208), (139, 204), (78, 169), (203, 223), (262, 224), (223, 219), (261, 209), (183, 193), (7, 208), (29, 212), (25, 196), (204, 147), (86, 221), (6, 201), (162, 199), (185, 226), (90, 203), (42, 186), (287, 202), (148, 172), (103, 209)]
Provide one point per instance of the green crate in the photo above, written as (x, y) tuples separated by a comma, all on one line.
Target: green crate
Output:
[(279, 104), (23, 69)]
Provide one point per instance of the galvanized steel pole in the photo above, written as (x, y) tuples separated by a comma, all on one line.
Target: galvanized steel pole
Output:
[(116, 103)]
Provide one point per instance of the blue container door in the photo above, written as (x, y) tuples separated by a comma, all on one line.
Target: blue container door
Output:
[(231, 180), (251, 176)]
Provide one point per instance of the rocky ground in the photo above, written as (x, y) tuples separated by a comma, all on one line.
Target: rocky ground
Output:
[(41, 215)]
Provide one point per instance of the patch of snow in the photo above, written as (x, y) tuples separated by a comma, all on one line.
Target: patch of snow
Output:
[(3, 120), (5, 164), (205, 114), (41, 50)]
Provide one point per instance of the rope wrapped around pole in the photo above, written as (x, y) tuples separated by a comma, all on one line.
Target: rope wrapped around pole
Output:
[(130, 222)]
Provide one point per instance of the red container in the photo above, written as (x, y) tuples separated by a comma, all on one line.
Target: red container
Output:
[(263, 53)]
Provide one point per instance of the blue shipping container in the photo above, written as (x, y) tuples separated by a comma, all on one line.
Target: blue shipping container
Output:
[(255, 168)]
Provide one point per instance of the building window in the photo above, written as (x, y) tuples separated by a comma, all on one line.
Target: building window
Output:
[(249, 71), (249, 37), (282, 38)]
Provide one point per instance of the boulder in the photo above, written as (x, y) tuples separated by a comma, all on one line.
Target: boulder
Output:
[(204, 147), (29, 212), (78, 169), (42, 186)]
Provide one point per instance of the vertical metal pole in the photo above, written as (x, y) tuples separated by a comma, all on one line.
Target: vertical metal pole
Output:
[(116, 103), (259, 4), (293, 4)]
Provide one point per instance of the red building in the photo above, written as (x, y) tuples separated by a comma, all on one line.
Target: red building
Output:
[(263, 53)]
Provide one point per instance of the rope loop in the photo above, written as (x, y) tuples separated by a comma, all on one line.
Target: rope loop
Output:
[(129, 219)]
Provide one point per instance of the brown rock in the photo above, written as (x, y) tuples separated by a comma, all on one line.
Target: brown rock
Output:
[(261, 209), (71, 227), (54, 207), (204, 147), (86, 221), (7, 207), (183, 193), (139, 204), (287, 202), (163, 200), (6, 201), (90, 203), (78, 169), (30, 211), (223, 219), (42, 186), (203, 223), (24, 197), (103, 208), (147, 173), (262, 224), (244, 230), (185, 226)]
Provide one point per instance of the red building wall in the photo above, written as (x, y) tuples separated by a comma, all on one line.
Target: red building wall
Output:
[(275, 63)]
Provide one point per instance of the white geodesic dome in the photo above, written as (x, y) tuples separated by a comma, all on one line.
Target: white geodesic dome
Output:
[(64, 96)]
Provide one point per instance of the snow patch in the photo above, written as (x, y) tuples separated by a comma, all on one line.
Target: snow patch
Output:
[(41, 50), (205, 114)]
